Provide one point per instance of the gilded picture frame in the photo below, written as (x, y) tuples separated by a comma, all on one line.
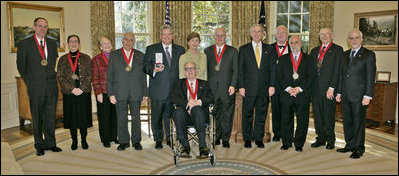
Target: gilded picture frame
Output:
[(20, 23), (383, 76), (380, 29)]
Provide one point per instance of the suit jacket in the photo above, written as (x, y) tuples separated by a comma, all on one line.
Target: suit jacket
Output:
[(64, 74), (99, 74), (327, 76), (125, 84), (179, 93), (161, 84), (220, 81), (306, 73), (358, 76), (38, 79), (276, 59), (256, 81)]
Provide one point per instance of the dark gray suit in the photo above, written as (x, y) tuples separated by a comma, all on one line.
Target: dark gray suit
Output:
[(358, 79), (128, 88), (161, 86), (42, 88), (326, 76), (219, 82)]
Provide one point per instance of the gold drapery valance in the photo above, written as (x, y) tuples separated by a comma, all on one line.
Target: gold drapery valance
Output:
[(321, 16), (102, 23)]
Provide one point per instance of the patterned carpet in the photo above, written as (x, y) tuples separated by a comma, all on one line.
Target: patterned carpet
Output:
[(381, 157)]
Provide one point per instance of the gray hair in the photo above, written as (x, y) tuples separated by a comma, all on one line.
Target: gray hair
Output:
[(282, 27), (192, 62), (165, 27), (355, 30), (254, 25)]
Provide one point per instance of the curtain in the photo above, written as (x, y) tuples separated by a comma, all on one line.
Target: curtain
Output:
[(321, 16), (102, 23)]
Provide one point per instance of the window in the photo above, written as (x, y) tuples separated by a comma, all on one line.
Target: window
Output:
[(133, 16), (209, 15), (295, 15)]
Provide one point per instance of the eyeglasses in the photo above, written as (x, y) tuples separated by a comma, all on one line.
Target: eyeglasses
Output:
[(190, 68)]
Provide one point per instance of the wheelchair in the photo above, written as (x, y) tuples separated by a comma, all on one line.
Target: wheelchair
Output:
[(210, 132)]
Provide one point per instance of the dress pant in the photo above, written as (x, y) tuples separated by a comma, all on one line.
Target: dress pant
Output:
[(224, 117), (289, 107), (160, 111), (107, 120), (324, 117), (183, 119), (122, 123), (254, 131), (43, 115), (276, 114), (354, 116)]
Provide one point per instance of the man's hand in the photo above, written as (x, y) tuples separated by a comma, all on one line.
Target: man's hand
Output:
[(271, 91), (330, 94), (100, 98), (77, 91), (338, 98), (112, 99), (144, 100), (232, 90), (291, 91), (366, 101), (242, 92), (159, 69)]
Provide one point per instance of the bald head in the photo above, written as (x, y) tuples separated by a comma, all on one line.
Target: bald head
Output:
[(128, 41), (295, 44), (220, 36), (326, 36)]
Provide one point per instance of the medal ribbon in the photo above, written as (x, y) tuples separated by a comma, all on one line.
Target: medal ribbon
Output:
[(277, 48), (221, 54), (193, 95), (130, 57), (41, 50), (321, 55), (73, 66), (104, 58), (293, 61)]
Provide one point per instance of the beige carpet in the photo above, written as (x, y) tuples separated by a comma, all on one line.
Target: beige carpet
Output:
[(381, 157)]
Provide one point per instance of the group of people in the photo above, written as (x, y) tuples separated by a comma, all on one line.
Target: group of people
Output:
[(192, 80)]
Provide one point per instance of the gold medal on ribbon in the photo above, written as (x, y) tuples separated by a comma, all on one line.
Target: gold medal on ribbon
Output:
[(295, 75), (217, 67), (43, 62), (128, 68), (75, 77)]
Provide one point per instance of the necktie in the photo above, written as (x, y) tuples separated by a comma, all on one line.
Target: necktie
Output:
[(296, 59), (220, 49), (41, 45), (281, 46), (192, 90), (257, 55), (322, 50), (352, 56), (167, 54)]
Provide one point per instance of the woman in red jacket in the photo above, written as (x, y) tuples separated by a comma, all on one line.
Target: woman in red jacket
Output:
[(106, 110)]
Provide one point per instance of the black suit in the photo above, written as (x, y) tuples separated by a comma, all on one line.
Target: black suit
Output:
[(358, 78), (161, 86), (326, 77), (256, 82), (276, 107), (42, 88), (219, 82), (198, 113), (299, 104)]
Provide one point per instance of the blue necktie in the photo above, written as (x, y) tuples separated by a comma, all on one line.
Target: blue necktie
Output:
[(352, 55)]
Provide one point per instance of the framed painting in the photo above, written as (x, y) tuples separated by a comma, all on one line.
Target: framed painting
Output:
[(383, 76), (20, 23), (380, 29)]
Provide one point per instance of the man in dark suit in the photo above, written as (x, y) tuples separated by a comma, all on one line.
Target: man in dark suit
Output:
[(358, 78), (296, 72), (161, 63), (192, 97), (327, 59), (127, 85), (222, 61), (256, 80), (280, 47), (36, 59)]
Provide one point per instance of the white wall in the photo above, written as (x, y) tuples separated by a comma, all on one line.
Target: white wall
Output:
[(76, 21), (344, 22)]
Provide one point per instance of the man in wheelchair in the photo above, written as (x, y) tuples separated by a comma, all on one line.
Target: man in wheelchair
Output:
[(192, 97)]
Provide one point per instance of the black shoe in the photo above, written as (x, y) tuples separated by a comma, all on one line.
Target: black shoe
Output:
[(284, 147), (158, 145), (276, 138), (123, 146), (247, 144), (54, 149), (330, 146), (299, 149), (185, 152), (74, 145), (40, 152), (84, 144), (344, 150), (260, 144), (116, 141), (356, 155), (137, 146), (226, 144), (106, 144), (317, 144), (217, 142), (204, 152)]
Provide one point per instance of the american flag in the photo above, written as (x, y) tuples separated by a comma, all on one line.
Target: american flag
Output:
[(167, 14), (262, 18)]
